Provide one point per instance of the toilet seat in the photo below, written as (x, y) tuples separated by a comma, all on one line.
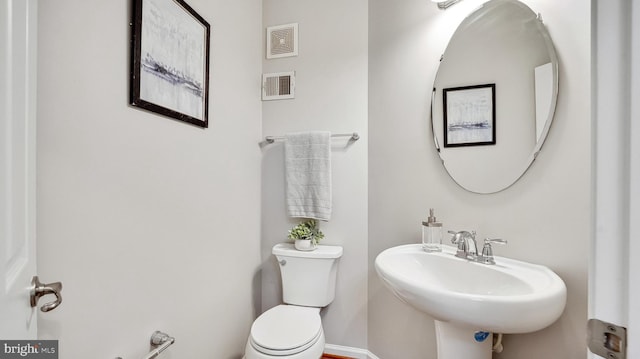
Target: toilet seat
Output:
[(286, 330)]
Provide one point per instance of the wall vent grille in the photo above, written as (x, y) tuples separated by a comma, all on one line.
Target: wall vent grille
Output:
[(282, 41), (278, 86)]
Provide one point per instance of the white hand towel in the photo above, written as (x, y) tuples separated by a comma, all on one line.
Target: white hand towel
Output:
[(307, 162)]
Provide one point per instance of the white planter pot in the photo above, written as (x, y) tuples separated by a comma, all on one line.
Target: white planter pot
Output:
[(304, 244)]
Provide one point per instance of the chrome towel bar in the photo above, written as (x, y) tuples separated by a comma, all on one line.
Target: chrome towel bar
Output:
[(160, 341), (353, 136)]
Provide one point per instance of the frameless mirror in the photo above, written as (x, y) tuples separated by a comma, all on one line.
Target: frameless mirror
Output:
[(494, 96)]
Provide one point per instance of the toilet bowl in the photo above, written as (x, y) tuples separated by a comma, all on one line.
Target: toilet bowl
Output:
[(286, 331), (294, 330)]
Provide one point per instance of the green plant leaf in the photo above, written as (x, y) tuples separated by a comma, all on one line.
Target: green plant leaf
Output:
[(306, 229)]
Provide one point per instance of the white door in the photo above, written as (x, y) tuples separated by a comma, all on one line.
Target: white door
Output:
[(614, 279), (18, 25)]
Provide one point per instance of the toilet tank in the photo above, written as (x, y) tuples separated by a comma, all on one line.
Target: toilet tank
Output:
[(308, 277)]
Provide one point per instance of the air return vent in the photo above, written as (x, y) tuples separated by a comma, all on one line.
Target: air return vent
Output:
[(282, 41), (278, 86)]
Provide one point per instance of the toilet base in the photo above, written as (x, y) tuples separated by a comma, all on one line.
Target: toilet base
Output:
[(313, 352)]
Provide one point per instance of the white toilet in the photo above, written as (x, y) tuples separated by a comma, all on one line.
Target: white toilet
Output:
[(294, 330)]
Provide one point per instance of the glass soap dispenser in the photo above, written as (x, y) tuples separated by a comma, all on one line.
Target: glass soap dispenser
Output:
[(431, 234)]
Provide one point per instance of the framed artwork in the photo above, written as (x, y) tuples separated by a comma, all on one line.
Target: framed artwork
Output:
[(469, 115), (170, 60)]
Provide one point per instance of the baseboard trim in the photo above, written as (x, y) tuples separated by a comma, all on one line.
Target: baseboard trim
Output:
[(350, 352)]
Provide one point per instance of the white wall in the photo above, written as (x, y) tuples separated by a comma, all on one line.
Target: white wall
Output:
[(150, 223), (331, 95), (545, 216)]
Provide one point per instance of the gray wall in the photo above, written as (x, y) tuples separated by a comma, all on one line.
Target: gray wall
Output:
[(150, 223), (545, 216), (331, 95)]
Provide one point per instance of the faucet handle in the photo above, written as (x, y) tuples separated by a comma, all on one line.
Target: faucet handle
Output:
[(455, 236), (487, 250), (495, 240)]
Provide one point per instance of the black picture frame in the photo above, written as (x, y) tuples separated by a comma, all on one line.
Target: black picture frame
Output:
[(170, 60), (469, 115)]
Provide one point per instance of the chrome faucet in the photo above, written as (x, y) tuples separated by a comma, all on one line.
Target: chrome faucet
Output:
[(464, 240)]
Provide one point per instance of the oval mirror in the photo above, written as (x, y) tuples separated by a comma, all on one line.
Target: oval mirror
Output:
[(494, 96)]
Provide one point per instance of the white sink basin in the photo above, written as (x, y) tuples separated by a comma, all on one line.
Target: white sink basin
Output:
[(508, 297)]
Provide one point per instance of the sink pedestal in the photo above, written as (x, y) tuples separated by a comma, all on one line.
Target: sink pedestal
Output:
[(456, 341)]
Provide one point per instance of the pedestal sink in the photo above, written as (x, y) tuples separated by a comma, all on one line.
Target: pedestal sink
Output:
[(468, 298)]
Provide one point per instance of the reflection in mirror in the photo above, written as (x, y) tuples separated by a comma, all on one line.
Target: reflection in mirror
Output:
[(503, 45)]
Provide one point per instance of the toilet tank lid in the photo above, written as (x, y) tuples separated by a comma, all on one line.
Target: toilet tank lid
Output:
[(321, 252)]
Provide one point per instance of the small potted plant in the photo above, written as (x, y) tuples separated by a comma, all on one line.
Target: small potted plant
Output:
[(306, 235)]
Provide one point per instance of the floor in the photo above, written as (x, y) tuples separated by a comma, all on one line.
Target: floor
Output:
[(331, 356)]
